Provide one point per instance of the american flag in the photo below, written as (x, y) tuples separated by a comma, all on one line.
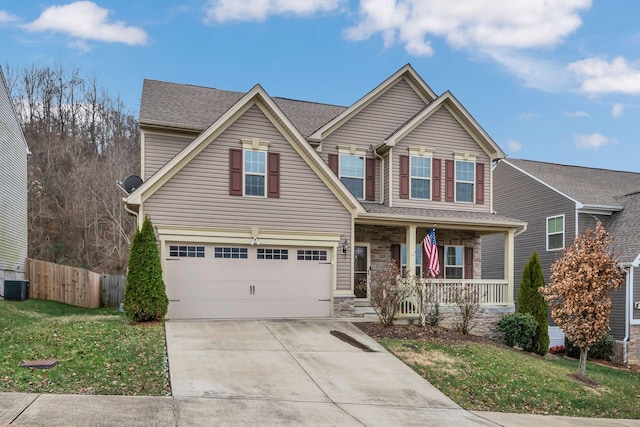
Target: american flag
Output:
[(431, 249)]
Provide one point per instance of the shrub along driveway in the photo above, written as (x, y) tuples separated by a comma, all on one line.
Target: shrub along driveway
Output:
[(297, 372)]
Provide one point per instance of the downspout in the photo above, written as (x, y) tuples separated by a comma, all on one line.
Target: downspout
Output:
[(521, 231), (375, 153), (627, 312), (134, 213)]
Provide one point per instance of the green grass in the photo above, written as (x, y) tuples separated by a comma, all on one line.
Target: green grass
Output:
[(98, 351), (487, 378)]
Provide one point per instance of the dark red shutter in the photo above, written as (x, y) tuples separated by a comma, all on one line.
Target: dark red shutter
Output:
[(395, 254), (450, 180), (235, 172), (273, 177), (468, 263), (480, 183), (404, 177), (370, 185), (441, 261), (436, 173), (333, 163)]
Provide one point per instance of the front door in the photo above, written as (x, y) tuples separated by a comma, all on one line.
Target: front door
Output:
[(361, 271)]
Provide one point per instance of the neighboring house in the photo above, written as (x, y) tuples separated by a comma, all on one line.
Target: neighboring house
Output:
[(558, 202), (270, 207), (13, 193)]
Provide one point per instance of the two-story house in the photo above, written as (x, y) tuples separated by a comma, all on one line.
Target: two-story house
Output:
[(272, 207), (561, 201), (13, 197)]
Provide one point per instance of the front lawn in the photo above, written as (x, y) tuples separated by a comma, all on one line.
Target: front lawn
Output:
[(482, 376), (98, 351)]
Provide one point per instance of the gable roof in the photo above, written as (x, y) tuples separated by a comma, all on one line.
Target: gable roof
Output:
[(457, 110), (256, 96), (407, 73), (591, 187), (624, 228), (195, 108)]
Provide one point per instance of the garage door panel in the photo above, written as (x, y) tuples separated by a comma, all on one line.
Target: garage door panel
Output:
[(209, 287)]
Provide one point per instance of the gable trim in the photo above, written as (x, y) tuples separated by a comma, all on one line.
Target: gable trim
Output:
[(406, 73), (258, 97), (579, 205)]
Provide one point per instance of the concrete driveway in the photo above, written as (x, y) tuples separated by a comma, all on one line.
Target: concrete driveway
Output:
[(264, 372)]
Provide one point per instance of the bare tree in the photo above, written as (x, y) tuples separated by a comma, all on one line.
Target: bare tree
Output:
[(579, 292)]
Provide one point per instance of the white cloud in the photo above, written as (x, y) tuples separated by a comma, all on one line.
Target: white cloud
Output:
[(6, 17), (598, 76), (592, 141), (259, 10), (524, 117), (617, 110), (514, 146), (576, 114), (85, 20), (521, 24)]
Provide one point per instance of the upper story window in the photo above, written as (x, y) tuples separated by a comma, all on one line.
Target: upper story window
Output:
[(465, 181), (420, 177), (454, 262), (403, 259), (352, 173), (555, 232), (255, 171)]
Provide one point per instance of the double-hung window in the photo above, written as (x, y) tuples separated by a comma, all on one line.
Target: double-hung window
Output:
[(465, 181), (255, 170), (420, 177), (555, 232), (454, 262), (352, 173), (403, 259)]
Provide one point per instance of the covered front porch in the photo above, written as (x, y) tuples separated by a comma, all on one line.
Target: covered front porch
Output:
[(396, 235)]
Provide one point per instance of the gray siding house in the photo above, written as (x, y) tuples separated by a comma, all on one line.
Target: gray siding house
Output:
[(559, 202), (272, 207), (13, 197)]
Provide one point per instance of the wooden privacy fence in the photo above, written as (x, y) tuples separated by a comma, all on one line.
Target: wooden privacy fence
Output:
[(70, 285), (112, 289)]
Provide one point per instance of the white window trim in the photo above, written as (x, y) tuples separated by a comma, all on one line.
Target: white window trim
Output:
[(445, 265), (546, 237), (430, 178), (470, 159), (364, 170), (245, 173)]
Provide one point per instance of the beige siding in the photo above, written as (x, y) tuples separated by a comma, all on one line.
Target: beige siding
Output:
[(13, 181), (376, 122), (198, 195), (159, 149), (440, 132)]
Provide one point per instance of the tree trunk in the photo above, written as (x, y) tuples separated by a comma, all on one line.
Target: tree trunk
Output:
[(583, 361)]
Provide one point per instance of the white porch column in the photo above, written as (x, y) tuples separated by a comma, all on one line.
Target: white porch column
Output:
[(411, 248), (509, 260)]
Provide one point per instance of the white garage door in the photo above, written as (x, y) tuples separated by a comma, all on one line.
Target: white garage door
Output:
[(220, 281)]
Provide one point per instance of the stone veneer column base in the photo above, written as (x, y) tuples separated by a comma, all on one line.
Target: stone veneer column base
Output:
[(485, 323), (633, 347), (344, 306)]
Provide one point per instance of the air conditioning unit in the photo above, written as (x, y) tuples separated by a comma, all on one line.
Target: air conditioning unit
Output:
[(16, 290)]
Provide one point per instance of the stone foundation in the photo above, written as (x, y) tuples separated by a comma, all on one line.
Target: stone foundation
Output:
[(633, 347), (485, 323), (344, 306)]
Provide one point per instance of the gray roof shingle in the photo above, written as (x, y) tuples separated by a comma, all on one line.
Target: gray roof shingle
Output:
[(590, 186), (197, 107)]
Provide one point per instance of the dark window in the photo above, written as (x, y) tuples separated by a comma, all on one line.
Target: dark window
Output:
[(238, 253), (186, 251), (273, 253), (312, 255)]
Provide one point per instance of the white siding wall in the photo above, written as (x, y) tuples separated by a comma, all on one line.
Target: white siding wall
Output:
[(13, 194), (442, 133), (198, 195)]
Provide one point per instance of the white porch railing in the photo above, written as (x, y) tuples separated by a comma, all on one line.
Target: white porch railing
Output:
[(444, 292)]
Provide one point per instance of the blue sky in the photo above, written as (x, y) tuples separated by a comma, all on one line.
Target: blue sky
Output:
[(555, 81)]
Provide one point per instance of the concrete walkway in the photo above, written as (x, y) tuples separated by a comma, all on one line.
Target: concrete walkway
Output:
[(273, 373)]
